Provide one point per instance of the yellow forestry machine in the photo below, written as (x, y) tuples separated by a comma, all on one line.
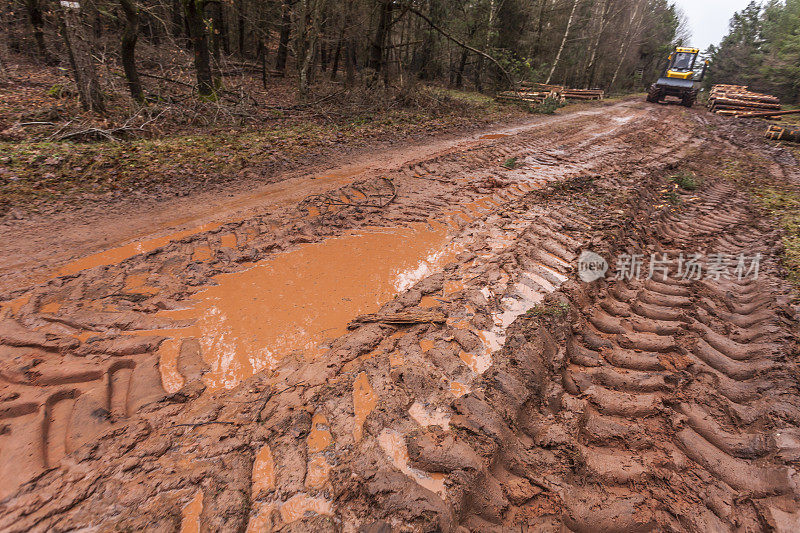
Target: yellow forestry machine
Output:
[(680, 79)]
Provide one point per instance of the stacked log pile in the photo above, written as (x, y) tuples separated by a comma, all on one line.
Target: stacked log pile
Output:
[(737, 99), (778, 133), (538, 92), (541, 87), (584, 94), (533, 97)]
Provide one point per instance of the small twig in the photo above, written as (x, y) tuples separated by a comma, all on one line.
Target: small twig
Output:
[(206, 423), (36, 124), (146, 75), (308, 104), (440, 180)]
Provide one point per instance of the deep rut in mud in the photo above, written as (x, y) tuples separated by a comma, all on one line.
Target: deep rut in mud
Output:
[(495, 391)]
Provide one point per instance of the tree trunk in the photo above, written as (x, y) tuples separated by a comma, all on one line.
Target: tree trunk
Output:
[(376, 49), (307, 43), (262, 54), (217, 29), (629, 35), (242, 27), (188, 31), (4, 74), (462, 63), (128, 50), (176, 19), (563, 41), (283, 43), (193, 10), (37, 22), (591, 66), (80, 56), (350, 64), (487, 43), (537, 44), (336, 55), (323, 57)]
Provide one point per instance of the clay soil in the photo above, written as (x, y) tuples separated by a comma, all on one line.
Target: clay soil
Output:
[(405, 344)]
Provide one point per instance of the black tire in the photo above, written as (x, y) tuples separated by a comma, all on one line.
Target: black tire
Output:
[(654, 94), (688, 99)]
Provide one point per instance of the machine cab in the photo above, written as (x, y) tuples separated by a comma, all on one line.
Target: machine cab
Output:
[(681, 63)]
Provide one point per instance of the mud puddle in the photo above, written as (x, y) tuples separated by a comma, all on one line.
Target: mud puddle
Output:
[(120, 253), (294, 302), (280, 194)]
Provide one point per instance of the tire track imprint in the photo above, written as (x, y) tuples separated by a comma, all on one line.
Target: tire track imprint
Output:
[(666, 387)]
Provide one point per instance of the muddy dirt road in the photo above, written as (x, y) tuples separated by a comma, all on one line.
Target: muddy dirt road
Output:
[(411, 348)]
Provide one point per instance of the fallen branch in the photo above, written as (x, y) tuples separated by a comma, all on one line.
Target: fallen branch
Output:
[(163, 78), (109, 133), (35, 124), (430, 178), (206, 424), (307, 104), (371, 190), (94, 132), (400, 318)]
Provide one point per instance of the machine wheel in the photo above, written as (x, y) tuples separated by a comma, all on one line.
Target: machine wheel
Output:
[(689, 98), (654, 94)]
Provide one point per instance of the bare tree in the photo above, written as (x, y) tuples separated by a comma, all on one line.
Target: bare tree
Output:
[(194, 10), (487, 43), (563, 41), (36, 19), (128, 49), (632, 33), (283, 39), (306, 42), (601, 22), (80, 57)]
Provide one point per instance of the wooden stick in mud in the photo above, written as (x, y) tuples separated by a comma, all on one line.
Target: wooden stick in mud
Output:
[(768, 114), (401, 318)]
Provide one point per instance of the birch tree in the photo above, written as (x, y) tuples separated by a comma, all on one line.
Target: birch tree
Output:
[(563, 41)]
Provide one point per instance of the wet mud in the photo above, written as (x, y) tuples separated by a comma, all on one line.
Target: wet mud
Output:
[(221, 381)]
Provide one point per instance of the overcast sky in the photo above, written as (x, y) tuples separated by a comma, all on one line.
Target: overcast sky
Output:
[(708, 19)]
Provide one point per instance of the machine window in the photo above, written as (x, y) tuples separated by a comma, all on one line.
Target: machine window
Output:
[(683, 60)]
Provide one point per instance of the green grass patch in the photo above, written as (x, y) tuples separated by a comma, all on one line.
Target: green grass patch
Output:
[(785, 206), (687, 181), (510, 163), (548, 106), (552, 309), (672, 197), (473, 98)]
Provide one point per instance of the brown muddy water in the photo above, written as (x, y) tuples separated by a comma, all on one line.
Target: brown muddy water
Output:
[(295, 302)]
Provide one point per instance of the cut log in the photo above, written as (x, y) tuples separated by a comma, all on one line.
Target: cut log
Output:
[(726, 98), (732, 101), (400, 318), (778, 133), (768, 114)]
